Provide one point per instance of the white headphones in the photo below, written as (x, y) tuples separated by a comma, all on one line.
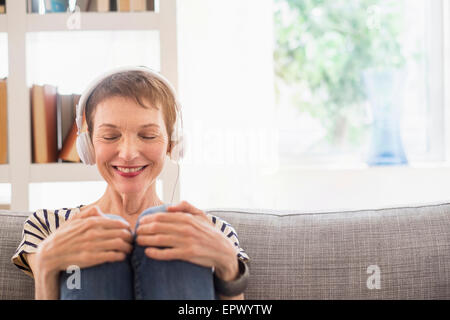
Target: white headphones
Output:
[(84, 144)]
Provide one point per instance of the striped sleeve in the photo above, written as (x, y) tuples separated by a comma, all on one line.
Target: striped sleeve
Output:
[(38, 226), (231, 234)]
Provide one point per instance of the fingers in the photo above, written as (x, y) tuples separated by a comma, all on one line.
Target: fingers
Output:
[(99, 251), (89, 259), (105, 234), (80, 231), (105, 223), (94, 211), (96, 248), (174, 217), (185, 206), (167, 254), (113, 245), (160, 240), (165, 228)]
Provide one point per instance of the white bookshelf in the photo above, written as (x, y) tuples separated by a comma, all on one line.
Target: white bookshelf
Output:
[(20, 171), (95, 21), (3, 23), (4, 173), (59, 172)]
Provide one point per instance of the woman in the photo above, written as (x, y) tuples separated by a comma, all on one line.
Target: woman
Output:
[(143, 249)]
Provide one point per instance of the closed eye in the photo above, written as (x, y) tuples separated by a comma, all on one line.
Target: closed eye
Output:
[(144, 137)]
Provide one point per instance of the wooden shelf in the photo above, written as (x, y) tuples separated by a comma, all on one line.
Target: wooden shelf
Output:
[(4, 173), (146, 20), (58, 172)]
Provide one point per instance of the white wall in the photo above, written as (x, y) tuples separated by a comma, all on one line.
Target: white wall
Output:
[(227, 91)]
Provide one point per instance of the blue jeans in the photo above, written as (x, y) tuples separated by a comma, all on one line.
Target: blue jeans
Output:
[(140, 277)]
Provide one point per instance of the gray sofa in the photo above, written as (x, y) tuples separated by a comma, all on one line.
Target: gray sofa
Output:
[(392, 253)]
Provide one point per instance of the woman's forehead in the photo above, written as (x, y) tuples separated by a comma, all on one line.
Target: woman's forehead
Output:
[(124, 110), (115, 126)]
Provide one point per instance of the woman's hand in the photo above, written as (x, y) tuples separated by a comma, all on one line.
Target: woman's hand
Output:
[(87, 239), (191, 237)]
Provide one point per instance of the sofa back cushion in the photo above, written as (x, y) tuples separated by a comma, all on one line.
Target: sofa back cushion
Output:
[(395, 253)]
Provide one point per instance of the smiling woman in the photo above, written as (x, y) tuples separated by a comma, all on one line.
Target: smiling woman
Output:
[(143, 248)]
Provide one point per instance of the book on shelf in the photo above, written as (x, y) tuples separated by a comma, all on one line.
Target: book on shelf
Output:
[(99, 5), (135, 5), (65, 117), (68, 151), (93, 5), (33, 6), (113, 5), (150, 5), (138, 5), (56, 5), (123, 5), (36, 6), (3, 123), (83, 4), (44, 124)]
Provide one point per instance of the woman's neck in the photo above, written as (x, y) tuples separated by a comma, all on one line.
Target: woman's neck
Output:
[(127, 205)]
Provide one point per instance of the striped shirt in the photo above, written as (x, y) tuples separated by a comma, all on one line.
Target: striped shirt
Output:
[(43, 222)]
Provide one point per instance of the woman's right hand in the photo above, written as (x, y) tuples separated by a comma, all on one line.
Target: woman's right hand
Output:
[(87, 239)]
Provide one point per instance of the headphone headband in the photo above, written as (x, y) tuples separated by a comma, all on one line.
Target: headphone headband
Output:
[(81, 106)]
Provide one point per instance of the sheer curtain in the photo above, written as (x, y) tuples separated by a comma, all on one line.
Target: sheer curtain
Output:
[(227, 92)]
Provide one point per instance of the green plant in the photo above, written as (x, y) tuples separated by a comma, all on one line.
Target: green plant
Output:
[(323, 46)]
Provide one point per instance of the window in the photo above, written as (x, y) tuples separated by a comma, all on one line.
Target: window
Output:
[(322, 49)]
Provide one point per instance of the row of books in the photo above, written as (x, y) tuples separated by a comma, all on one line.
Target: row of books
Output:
[(2, 6), (45, 6), (54, 130), (53, 126), (3, 123)]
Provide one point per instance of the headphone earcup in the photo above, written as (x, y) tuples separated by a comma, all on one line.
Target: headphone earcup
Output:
[(85, 148)]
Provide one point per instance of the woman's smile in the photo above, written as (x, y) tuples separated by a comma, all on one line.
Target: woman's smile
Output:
[(129, 172)]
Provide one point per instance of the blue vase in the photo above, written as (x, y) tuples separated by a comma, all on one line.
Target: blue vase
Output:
[(384, 91)]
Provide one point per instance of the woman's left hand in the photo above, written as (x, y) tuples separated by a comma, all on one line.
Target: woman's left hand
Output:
[(189, 236)]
